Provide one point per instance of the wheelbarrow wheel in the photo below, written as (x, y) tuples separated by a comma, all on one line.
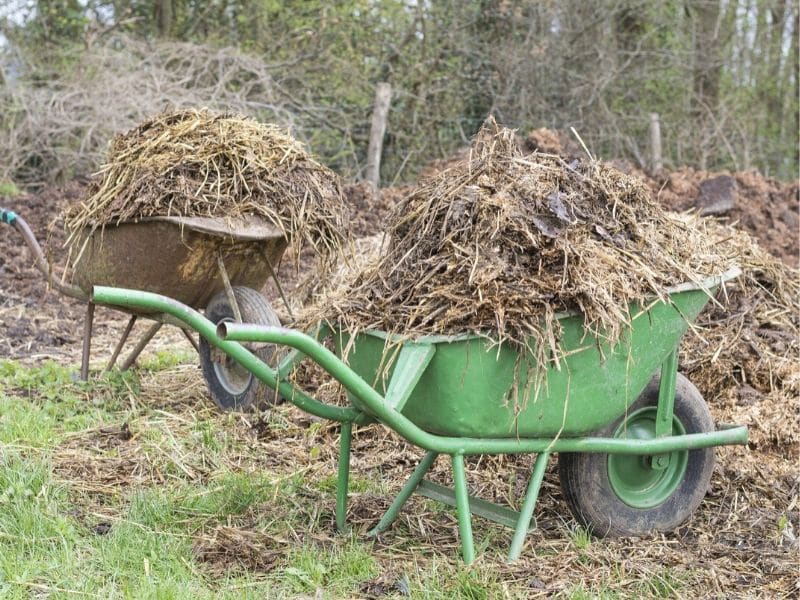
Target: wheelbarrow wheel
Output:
[(619, 495), (233, 387)]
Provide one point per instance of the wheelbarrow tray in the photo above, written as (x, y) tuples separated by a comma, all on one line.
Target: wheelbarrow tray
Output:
[(178, 256), (471, 388)]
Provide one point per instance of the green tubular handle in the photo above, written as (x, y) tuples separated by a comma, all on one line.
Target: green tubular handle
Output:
[(137, 299), (448, 445), (375, 402), (7, 216)]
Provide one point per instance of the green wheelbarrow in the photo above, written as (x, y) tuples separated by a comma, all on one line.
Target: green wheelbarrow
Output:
[(634, 437)]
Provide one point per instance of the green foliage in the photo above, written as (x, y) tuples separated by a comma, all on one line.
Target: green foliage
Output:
[(581, 538), (601, 67), (8, 189)]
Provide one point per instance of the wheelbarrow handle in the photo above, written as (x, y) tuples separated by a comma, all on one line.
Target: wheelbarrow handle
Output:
[(376, 402), (18, 223), (120, 297)]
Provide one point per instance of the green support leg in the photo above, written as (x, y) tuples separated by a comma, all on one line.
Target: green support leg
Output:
[(666, 407), (408, 489), (462, 504), (344, 475), (524, 521), (666, 395)]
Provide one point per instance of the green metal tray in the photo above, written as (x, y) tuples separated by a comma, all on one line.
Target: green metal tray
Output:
[(473, 389)]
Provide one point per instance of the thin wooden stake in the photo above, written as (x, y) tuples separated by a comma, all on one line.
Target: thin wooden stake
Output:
[(655, 142), (383, 96)]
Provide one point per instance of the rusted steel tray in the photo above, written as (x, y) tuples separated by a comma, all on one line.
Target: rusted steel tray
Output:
[(207, 263), (179, 256)]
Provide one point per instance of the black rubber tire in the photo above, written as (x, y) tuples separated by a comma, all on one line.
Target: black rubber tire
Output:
[(231, 386), (594, 503)]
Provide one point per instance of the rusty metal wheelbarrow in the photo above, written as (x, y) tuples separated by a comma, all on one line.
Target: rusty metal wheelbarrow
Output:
[(206, 263), (635, 438)]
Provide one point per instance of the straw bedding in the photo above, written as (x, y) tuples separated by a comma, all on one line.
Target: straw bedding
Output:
[(202, 163), (501, 242)]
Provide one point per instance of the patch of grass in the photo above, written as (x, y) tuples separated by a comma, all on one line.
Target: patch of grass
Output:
[(335, 570), (38, 405), (357, 485), (164, 359), (36, 537), (439, 581), (23, 424), (581, 538), (187, 507), (581, 592), (230, 494), (208, 436), (9, 189), (138, 553), (665, 583)]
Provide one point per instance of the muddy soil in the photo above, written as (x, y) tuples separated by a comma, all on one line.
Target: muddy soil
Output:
[(764, 207)]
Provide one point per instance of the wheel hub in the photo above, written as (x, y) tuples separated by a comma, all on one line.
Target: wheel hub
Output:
[(643, 481)]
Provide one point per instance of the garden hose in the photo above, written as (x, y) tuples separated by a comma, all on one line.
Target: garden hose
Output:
[(7, 216)]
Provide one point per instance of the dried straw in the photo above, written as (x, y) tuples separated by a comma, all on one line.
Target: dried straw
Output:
[(501, 242), (748, 356), (202, 163)]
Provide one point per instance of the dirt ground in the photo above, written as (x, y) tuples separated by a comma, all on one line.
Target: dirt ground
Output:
[(744, 538), (764, 207)]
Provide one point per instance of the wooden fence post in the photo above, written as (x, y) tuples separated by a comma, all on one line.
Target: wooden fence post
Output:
[(655, 143), (380, 112)]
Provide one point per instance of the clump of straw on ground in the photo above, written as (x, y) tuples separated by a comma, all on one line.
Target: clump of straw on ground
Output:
[(202, 163), (501, 242)]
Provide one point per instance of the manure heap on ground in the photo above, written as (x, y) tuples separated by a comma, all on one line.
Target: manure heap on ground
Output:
[(201, 163), (501, 242), (747, 356)]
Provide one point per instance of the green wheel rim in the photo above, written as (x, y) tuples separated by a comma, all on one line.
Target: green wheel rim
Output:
[(632, 477)]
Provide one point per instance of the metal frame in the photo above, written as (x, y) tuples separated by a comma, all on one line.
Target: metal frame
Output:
[(384, 408)]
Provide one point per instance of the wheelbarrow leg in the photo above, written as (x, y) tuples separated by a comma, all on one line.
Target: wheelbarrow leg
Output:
[(462, 505), (192, 341), (87, 341), (121, 343), (344, 475), (524, 521), (408, 489), (141, 345)]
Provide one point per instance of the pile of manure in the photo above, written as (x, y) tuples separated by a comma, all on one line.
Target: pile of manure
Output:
[(501, 242), (747, 356), (201, 163)]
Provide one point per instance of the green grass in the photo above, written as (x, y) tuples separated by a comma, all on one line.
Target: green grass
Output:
[(8, 189), (105, 493)]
